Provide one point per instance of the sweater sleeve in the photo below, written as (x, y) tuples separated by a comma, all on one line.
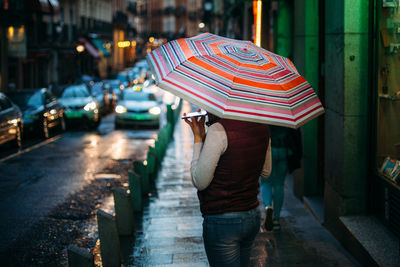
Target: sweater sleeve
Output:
[(206, 156), (267, 168)]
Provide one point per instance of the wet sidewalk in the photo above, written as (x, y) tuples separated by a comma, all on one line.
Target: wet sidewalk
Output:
[(170, 230)]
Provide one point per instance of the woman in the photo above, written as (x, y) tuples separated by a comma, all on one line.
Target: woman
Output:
[(227, 163), (286, 155)]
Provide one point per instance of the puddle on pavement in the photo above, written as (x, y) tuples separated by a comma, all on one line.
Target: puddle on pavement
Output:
[(142, 134), (107, 176), (123, 160)]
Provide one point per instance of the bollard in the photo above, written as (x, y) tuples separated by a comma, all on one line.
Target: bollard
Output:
[(141, 169), (109, 239), (157, 149), (170, 115), (151, 165), (152, 150), (135, 188), (169, 131), (79, 257), (123, 211)]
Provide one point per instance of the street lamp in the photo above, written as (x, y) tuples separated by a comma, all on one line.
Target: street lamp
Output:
[(80, 48)]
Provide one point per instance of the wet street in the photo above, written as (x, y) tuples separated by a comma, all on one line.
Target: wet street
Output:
[(50, 191)]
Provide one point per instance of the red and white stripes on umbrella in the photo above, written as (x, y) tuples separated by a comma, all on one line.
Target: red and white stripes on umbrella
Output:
[(235, 79)]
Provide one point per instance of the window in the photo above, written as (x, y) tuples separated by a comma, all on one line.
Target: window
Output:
[(388, 103)]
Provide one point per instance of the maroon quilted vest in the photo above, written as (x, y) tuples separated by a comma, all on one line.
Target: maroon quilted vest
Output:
[(235, 183)]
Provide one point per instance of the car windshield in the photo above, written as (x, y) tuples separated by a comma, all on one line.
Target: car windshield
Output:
[(138, 96), (113, 83), (27, 99), (97, 89), (75, 91), (123, 77)]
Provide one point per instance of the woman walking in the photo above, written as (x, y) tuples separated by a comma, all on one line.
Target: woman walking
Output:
[(227, 163)]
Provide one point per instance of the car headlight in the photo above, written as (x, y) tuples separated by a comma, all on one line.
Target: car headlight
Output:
[(90, 106), (155, 110), (120, 109)]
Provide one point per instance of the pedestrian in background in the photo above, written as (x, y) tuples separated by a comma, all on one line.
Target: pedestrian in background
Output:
[(286, 155), (226, 165)]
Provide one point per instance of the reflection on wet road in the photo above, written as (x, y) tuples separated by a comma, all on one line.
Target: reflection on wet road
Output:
[(32, 183)]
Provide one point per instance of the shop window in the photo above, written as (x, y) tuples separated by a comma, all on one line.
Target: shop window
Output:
[(388, 104)]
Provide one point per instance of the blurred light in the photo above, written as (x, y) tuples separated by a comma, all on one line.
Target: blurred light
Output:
[(14, 121), (152, 76), (155, 110), (151, 39), (133, 43), (120, 109), (93, 142), (21, 31), (201, 25), (145, 163), (173, 107), (148, 50), (124, 44), (108, 45), (10, 32), (257, 9), (90, 106), (135, 81), (53, 111), (80, 48), (208, 6)]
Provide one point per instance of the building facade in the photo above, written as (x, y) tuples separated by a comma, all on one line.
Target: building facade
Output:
[(348, 51), (37, 35)]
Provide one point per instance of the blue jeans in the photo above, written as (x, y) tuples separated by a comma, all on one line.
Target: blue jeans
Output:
[(228, 237), (272, 188)]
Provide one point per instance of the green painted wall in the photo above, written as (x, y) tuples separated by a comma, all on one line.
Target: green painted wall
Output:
[(310, 130), (306, 59), (346, 83), (283, 29)]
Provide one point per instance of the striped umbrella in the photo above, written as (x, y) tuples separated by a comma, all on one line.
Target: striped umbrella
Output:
[(235, 79)]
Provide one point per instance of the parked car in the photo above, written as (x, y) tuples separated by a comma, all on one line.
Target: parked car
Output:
[(41, 110), (10, 122), (137, 108), (116, 87), (80, 105), (102, 97)]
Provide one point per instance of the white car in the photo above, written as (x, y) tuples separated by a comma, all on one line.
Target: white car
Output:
[(137, 108), (80, 105)]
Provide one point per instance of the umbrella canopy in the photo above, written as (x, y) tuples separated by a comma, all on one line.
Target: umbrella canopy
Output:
[(235, 79)]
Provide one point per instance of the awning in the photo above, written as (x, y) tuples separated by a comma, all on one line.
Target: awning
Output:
[(49, 6), (100, 46), (55, 6), (89, 47)]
